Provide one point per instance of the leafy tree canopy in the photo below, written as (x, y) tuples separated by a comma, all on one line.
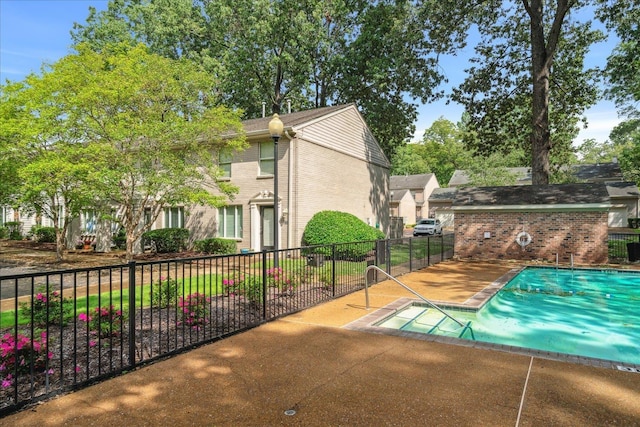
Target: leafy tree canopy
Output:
[(132, 129), (511, 108), (381, 54)]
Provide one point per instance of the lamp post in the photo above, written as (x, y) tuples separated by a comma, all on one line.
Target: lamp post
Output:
[(275, 130)]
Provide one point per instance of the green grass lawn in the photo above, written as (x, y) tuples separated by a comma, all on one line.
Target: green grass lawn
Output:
[(207, 284)]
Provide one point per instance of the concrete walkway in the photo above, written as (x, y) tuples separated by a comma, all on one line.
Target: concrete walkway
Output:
[(308, 370)]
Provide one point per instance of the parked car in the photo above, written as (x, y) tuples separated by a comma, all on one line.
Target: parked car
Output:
[(427, 226)]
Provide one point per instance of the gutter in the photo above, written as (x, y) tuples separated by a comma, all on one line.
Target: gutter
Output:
[(562, 207)]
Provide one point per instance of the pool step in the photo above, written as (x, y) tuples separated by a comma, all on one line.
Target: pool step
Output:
[(427, 320)]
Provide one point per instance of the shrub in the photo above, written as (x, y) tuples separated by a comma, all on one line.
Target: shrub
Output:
[(165, 293), (252, 290), (120, 239), (19, 353), (47, 308), (244, 285), (285, 280), (104, 321), (43, 234), (232, 283), (194, 309), (167, 239), (332, 227), (14, 228), (4, 232), (216, 246)]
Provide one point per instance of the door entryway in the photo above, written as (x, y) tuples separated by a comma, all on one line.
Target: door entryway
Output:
[(266, 233)]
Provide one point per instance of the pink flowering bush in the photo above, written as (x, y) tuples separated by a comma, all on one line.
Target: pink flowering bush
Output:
[(243, 285), (232, 284), (18, 353), (194, 309), (285, 281), (104, 321), (47, 308)]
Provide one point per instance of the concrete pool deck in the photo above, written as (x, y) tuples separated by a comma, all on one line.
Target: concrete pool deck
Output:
[(309, 366)]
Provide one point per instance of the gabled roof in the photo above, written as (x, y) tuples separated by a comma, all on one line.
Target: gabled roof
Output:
[(598, 172), (623, 190), (293, 119), (340, 128), (519, 195), (461, 177), (443, 194), (410, 182), (587, 173), (396, 196), (616, 190)]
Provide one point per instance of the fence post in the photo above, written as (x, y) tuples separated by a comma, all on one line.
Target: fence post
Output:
[(410, 255), (264, 284), (333, 270), (132, 313), (441, 247), (428, 251), (387, 251)]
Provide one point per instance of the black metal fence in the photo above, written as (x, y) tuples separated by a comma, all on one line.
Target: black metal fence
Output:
[(63, 330), (624, 247)]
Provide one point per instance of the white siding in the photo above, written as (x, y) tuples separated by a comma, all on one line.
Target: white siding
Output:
[(346, 132)]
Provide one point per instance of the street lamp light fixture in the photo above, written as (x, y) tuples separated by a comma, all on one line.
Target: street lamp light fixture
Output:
[(275, 130)]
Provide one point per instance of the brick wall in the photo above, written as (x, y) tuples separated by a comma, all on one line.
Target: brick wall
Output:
[(581, 233)]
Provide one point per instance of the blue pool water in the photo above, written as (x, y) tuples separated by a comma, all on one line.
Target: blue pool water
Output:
[(592, 313)]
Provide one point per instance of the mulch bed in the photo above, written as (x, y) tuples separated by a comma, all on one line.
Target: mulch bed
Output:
[(79, 356)]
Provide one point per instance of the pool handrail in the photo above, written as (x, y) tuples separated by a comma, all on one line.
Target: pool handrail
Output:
[(366, 292)]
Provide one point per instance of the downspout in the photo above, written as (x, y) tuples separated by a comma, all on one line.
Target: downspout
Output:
[(292, 150)]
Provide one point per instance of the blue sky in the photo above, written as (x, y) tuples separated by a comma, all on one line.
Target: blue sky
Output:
[(33, 32)]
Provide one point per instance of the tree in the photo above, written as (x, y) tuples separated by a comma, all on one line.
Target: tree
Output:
[(592, 151), (410, 159), (626, 138), (445, 150), (387, 67), (311, 53), (624, 81), (529, 88), (148, 128), (47, 159), (622, 65)]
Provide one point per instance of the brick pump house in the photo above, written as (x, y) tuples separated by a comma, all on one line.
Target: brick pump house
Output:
[(533, 222)]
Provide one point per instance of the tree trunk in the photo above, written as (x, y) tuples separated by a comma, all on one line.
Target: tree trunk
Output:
[(540, 135), (130, 242), (542, 53), (60, 244)]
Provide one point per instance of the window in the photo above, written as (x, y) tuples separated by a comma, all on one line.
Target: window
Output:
[(266, 158), (230, 222), (88, 221), (224, 162), (147, 218), (174, 217)]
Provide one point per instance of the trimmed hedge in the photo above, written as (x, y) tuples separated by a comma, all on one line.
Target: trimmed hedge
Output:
[(43, 234), (216, 246), (167, 240), (333, 227)]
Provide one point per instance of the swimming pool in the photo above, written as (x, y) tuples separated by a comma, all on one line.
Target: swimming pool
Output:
[(590, 313)]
